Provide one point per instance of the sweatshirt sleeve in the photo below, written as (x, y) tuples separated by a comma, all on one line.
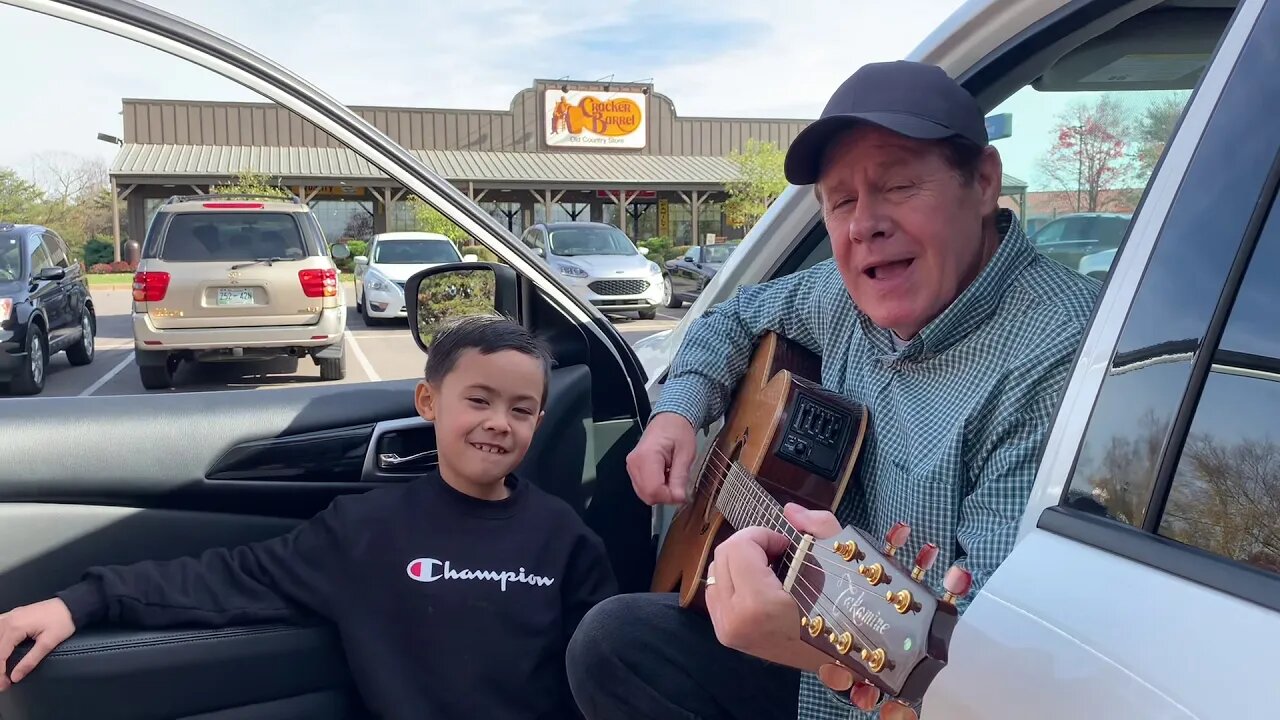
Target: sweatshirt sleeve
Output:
[(274, 580), (589, 579)]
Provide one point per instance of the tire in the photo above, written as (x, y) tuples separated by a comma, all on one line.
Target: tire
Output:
[(649, 314), (82, 352), (159, 377), (334, 368), (671, 300), (30, 379)]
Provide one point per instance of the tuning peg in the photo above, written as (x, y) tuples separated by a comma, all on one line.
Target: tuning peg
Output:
[(847, 550), (901, 600), (814, 625), (875, 659), (956, 583), (873, 573), (896, 538), (842, 642), (924, 560)]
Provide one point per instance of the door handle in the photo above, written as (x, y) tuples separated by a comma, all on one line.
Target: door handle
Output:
[(390, 460)]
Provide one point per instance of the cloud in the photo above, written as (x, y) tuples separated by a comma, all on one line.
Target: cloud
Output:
[(746, 58)]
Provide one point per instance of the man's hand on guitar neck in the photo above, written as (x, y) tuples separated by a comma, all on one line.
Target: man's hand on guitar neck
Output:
[(752, 613), (660, 463)]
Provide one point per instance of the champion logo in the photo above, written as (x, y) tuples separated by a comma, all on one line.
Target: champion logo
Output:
[(430, 570)]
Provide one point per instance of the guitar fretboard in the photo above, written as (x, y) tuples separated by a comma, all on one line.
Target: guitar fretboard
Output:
[(744, 503)]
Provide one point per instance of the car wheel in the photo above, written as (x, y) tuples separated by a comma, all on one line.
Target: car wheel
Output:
[(82, 352), (668, 297), (158, 376), (649, 314), (30, 378), (334, 368)]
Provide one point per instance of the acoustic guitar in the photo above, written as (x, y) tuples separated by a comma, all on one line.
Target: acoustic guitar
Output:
[(787, 439)]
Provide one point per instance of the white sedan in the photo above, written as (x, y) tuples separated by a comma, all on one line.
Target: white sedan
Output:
[(393, 258)]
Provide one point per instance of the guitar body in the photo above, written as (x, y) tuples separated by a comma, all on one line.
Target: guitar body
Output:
[(800, 440)]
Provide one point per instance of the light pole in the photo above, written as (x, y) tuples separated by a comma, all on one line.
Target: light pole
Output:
[(115, 198)]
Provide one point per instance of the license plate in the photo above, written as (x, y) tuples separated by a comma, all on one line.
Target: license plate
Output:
[(235, 296)]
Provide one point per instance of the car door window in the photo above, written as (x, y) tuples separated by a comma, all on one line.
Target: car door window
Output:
[(56, 250), (1225, 495), (39, 258)]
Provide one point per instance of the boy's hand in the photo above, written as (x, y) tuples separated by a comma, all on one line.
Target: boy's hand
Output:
[(48, 623), (660, 463)]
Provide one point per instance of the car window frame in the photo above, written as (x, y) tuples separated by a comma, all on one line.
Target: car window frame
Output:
[(1141, 544)]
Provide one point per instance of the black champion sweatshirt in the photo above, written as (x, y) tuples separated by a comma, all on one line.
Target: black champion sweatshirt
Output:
[(447, 606)]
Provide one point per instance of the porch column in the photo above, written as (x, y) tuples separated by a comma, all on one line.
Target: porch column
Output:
[(694, 201)]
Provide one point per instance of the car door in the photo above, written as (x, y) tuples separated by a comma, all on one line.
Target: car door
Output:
[(683, 279), (1146, 579), (48, 295), (109, 479), (64, 318)]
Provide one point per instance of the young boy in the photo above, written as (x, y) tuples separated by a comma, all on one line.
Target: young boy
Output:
[(454, 595)]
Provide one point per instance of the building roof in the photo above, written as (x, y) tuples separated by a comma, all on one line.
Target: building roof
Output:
[(166, 163)]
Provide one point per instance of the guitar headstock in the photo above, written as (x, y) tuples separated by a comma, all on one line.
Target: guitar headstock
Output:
[(865, 609)]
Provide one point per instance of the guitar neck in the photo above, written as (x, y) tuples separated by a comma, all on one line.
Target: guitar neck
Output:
[(745, 503)]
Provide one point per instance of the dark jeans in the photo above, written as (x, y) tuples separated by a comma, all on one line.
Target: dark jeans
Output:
[(643, 657)]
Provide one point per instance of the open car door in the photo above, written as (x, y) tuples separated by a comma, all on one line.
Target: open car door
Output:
[(92, 480)]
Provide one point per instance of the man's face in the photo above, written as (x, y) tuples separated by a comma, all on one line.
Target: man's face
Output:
[(906, 229)]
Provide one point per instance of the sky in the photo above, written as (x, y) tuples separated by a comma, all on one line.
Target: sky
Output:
[(737, 58)]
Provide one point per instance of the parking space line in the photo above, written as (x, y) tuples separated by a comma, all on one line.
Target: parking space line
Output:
[(669, 317), (106, 378), (360, 357)]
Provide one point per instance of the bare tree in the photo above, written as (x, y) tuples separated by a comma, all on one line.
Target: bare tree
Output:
[(1090, 155)]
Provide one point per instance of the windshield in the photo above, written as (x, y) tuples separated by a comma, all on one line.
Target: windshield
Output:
[(590, 241), (717, 253), (415, 252), (224, 236), (10, 256)]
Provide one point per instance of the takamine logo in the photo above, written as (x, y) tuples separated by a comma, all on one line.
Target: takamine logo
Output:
[(430, 570)]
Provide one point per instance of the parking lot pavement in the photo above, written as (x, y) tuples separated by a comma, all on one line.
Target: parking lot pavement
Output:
[(373, 353)]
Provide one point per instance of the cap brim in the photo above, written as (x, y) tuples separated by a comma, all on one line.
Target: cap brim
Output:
[(804, 155)]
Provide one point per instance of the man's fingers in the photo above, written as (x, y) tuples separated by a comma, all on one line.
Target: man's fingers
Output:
[(819, 523), (898, 711), (43, 646), (836, 677), (648, 470), (681, 463), (9, 639), (865, 696)]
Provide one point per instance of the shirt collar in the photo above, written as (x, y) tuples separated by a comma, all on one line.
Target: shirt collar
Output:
[(974, 306)]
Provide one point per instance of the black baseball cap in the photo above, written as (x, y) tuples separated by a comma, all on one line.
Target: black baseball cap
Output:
[(910, 98)]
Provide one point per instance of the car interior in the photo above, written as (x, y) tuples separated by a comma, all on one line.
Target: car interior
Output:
[(170, 474)]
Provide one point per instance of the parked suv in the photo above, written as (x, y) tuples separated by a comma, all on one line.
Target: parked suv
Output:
[(234, 278), (45, 307)]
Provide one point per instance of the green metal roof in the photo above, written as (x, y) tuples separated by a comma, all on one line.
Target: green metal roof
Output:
[(137, 163)]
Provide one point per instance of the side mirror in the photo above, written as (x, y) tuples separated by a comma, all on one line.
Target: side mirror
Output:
[(361, 260), (539, 251), (470, 257), (643, 250), (51, 273), (340, 251), (444, 293)]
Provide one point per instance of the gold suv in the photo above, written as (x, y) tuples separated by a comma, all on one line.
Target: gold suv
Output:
[(236, 277)]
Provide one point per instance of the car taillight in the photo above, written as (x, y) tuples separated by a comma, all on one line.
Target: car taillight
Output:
[(234, 205), (319, 283), (150, 286), (6, 309)]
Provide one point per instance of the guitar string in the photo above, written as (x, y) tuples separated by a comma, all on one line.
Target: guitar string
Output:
[(740, 491)]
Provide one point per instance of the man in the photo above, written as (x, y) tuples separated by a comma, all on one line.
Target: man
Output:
[(938, 315)]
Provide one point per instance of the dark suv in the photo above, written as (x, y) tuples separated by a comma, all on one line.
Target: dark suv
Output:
[(45, 307)]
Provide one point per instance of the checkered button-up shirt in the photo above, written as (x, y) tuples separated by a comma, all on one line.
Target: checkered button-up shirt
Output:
[(957, 415)]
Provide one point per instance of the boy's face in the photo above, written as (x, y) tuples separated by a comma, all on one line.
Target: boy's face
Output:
[(485, 412)]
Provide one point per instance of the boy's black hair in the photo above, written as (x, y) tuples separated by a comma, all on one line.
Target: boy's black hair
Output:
[(487, 334)]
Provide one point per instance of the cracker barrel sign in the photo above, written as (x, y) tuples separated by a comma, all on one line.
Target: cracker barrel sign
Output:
[(595, 119)]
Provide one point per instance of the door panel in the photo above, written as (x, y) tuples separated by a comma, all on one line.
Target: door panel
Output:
[(252, 475), (268, 671)]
